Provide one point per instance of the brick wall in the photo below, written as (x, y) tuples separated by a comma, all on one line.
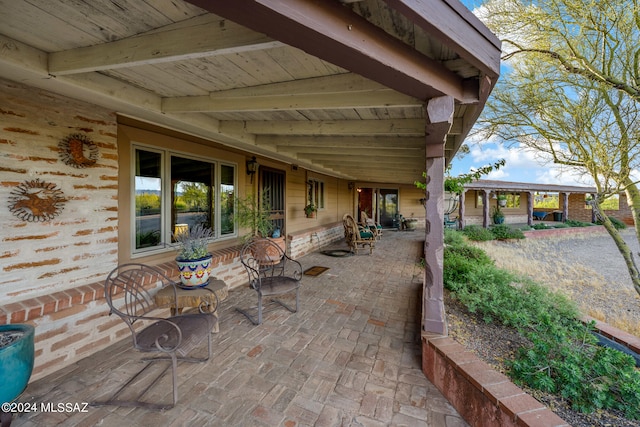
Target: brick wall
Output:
[(307, 241), (578, 210), (49, 268)]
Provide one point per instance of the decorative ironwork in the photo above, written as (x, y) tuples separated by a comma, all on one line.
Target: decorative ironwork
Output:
[(78, 150), (36, 201)]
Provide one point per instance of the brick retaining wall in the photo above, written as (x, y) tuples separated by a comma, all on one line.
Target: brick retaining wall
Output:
[(482, 395)]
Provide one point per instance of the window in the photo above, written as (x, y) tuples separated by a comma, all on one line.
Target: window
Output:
[(513, 200), (316, 193), (546, 200), (479, 202), (174, 192)]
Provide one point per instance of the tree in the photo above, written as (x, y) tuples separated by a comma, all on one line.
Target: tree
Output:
[(573, 92)]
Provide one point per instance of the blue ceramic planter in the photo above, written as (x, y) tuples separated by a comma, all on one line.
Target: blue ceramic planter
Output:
[(16, 362)]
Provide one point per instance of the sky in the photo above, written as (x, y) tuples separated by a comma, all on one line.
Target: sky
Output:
[(520, 166)]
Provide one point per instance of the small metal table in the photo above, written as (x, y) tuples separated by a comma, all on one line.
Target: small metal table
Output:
[(198, 297)]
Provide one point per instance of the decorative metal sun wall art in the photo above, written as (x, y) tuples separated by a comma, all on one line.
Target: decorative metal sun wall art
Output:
[(78, 151), (36, 201)]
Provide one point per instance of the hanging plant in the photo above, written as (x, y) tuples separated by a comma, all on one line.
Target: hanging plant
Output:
[(36, 201), (78, 150)]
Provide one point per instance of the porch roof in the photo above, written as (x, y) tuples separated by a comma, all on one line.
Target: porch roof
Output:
[(494, 185), (335, 86)]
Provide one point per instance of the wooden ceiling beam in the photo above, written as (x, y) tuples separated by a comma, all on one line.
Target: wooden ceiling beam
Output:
[(378, 152), (202, 36), (332, 32), (340, 141), (343, 91), (391, 127)]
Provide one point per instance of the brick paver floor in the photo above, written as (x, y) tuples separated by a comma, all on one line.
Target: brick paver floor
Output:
[(349, 357)]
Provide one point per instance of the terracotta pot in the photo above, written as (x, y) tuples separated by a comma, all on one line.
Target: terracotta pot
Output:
[(195, 273), (266, 253)]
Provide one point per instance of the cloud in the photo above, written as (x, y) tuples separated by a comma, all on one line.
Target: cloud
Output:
[(522, 165)]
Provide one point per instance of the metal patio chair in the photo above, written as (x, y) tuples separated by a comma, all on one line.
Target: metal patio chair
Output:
[(271, 272), (173, 338)]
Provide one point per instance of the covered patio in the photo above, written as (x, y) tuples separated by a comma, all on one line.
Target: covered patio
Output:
[(350, 356)]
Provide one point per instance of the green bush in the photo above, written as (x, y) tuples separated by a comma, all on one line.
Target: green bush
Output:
[(503, 232), (561, 225), (540, 226), (561, 356), (619, 225), (453, 237), (477, 233), (576, 223), (459, 261)]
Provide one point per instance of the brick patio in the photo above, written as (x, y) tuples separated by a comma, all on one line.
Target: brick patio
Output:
[(350, 357)]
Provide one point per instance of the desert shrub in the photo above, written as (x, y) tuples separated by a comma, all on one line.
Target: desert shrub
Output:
[(459, 261), (477, 233), (503, 232), (619, 225), (576, 223), (453, 237), (561, 355), (540, 226)]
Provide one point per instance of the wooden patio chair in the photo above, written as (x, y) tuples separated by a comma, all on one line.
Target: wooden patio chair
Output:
[(126, 290), (271, 272), (357, 236), (369, 223)]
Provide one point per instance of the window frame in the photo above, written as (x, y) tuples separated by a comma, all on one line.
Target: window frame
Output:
[(167, 201), (316, 192)]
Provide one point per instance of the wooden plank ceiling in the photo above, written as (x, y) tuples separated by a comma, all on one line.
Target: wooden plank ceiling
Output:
[(292, 95)]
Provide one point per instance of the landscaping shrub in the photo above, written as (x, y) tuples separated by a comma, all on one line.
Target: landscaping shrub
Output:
[(477, 233), (576, 223), (619, 225), (540, 226), (560, 225), (562, 356), (503, 232), (453, 237)]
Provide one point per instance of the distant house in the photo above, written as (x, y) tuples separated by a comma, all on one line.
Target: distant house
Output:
[(526, 203)]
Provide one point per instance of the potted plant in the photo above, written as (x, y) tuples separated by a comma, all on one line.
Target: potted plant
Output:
[(194, 259), (310, 210), (16, 359), (497, 215), (255, 214), (502, 200)]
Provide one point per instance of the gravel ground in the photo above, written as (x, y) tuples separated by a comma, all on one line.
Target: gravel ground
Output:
[(587, 268)]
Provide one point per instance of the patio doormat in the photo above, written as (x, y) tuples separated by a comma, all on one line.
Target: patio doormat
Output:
[(315, 271)]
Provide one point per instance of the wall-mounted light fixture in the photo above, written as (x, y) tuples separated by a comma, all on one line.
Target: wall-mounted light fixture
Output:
[(252, 167)]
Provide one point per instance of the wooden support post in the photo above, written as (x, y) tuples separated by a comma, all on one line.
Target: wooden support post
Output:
[(486, 213), (439, 120), (530, 208), (461, 210)]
